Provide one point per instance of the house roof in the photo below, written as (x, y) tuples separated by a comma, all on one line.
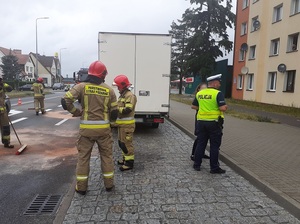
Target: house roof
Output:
[(22, 58), (5, 51), (46, 61)]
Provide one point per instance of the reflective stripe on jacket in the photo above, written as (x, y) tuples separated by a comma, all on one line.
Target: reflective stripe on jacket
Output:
[(125, 120)]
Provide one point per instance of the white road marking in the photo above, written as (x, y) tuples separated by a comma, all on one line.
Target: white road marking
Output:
[(14, 112), (20, 119), (62, 121), (59, 106), (48, 110)]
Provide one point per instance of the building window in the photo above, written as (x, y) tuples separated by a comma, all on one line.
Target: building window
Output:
[(253, 28), (252, 52), (274, 47), (31, 69), (293, 42), (277, 13), (242, 55), (289, 81), (295, 7), (239, 84), (245, 3), (272, 77), (243, 29), (27, 69), (250, 81)]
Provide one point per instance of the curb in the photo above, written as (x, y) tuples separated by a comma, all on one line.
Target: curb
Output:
[(285, 201), (65, 204)]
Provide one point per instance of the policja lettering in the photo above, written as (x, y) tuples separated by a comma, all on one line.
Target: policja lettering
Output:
[(205, 97)]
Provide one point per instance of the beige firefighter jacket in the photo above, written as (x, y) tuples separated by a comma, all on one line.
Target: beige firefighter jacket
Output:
[(38, 90), (97, 102), (5, 88), (126, 100)]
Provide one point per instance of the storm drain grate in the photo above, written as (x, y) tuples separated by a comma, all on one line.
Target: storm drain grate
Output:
[(43, 204)]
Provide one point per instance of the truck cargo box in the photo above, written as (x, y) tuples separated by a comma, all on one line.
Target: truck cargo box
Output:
[(146, 60)]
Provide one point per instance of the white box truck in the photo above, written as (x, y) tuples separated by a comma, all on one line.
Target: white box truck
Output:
[(146, 60)]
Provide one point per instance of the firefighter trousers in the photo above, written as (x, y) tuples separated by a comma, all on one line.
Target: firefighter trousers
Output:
[(84, 147), (125, 139), (39, 104), (5, 128)]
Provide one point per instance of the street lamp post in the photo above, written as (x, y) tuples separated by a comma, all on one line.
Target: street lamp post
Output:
[(36, 47), (60, 59)]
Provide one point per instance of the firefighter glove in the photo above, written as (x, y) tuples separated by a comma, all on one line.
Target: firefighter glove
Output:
[(77, 113)]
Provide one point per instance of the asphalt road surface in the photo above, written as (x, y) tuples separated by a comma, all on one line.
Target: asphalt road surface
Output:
[(47, 165)]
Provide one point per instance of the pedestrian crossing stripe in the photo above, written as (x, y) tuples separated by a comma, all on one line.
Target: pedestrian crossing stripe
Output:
[(18, 120), (14, 112)]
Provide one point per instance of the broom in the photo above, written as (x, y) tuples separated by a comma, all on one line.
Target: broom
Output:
[(20, 150)]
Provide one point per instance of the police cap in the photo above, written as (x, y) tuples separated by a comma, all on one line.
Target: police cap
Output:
[(214, 77)]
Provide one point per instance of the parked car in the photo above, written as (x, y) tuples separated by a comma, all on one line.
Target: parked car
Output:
[(69, 86), (26, 87), (7, 103), (58, 86)]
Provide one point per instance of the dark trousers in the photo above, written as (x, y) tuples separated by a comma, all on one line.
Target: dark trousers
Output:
[(208, 130)]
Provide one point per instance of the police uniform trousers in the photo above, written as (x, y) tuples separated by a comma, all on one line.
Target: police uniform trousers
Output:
[(84, 147), (39, 103), (125, 139), (5, 128), (208, 130)]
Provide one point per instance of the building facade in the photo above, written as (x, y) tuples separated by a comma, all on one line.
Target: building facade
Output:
[(266, 61), (23, 60)]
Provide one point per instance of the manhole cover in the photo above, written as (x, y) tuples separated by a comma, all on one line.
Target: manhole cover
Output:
[(43, 204)]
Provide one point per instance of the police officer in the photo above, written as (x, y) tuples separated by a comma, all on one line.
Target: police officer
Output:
[(195, 107), (125, 121), (39, 96), (99, 108), (4, 123), (210, 119)]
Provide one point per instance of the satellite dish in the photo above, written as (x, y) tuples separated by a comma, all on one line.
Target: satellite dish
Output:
[(281, 68), (256, 24), (244, 47), (244, 70)]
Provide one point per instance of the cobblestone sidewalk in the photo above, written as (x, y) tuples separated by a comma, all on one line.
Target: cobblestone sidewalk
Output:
[(164, 188)]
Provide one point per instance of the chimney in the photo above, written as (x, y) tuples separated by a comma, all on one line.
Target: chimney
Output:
[(17, 51)]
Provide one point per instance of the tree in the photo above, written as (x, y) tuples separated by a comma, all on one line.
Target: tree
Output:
[(208, 22), (179, 34), (10, 67)]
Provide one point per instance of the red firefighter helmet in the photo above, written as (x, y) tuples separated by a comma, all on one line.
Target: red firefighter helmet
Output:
[(98, 69), (122, 82), (40, 80)]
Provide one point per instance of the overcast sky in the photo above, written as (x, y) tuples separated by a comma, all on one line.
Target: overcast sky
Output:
[(75, 24)]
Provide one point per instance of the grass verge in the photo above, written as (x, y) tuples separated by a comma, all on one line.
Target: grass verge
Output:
[(292, 111), (19, 94)]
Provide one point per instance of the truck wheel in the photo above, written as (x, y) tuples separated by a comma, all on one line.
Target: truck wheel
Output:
[(155, 125)]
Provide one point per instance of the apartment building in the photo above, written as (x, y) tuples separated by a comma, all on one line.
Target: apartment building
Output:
[(266, 54)]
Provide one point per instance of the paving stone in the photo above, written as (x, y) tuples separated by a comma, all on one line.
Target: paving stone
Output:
[(164, 188)]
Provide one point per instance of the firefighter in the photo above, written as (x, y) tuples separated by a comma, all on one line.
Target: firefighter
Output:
[(99, 108), (4, 122), (125, 121), (210, 123), (39, 96)]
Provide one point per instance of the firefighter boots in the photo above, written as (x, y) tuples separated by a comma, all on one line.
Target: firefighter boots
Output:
[(128, 165)]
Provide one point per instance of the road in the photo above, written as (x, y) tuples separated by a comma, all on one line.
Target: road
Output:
[(45, 167)]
